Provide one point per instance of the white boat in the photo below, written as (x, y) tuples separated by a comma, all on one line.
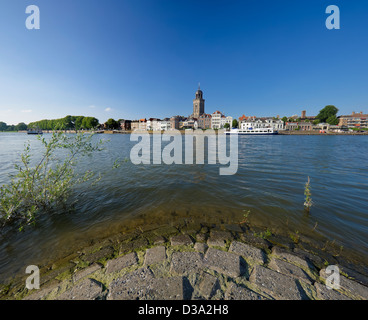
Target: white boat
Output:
[(252, 131), (34, 131)]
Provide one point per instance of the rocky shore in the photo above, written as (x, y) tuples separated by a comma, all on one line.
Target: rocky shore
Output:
[(196, 262)]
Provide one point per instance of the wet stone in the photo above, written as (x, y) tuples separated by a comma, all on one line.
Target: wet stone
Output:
[(106, 252), (235, 292), (276, 284), (323, 293), (255, 241), (186, 262), (309, 257), (201, 237), (155, 255), (42, 293), (224, 262), (181, 240), (88, 289), (121, 262), (86, 271), (354, 288), (159, 240), (133, 245), (208, 285), (248, 251), (289, 269)]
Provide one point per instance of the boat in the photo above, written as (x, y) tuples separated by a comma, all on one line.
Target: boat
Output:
[(34, 131), (252, 131)]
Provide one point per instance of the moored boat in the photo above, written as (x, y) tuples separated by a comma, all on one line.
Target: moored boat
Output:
[(252, 131)]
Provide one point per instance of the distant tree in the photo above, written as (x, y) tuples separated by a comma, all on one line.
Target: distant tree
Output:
[(315, 122), (112, 124), (21, 126), (226, 125), (327, 112), (235, 123), (285, 119), (3, 126), (78, 122)]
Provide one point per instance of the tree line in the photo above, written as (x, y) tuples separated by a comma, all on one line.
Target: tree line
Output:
[(66, 123), (19, 127)]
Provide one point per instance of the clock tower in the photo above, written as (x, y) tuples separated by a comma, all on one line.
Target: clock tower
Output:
[(198, 103)]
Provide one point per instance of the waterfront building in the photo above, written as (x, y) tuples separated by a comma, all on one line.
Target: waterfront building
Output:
[(166, 124), (216, 120), (143, 124), (134, 125), (355, 120), (204, 121), (153, 124), (125, 125)]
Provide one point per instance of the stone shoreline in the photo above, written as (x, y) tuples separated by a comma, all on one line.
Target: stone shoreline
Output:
[(195, 262)]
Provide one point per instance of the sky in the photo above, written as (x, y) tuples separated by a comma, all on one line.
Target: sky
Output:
[(131, 59)]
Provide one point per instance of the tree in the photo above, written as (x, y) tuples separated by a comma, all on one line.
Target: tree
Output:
[(112, 124), (285, 119), (226, 125), (327, 112), (21, 126), (235, 123), (333, 120), (315, 122), (3, 126)]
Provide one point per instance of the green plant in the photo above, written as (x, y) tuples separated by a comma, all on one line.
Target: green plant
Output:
[(49, 182), (264, 235), (308, 196), (245, 216), (295, 237)]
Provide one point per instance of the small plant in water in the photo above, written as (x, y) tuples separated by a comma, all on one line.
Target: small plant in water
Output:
[(45, 183), (308, 196), (245, 217)]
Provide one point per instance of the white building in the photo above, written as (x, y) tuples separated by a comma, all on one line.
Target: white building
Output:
[(165, 124), (218, 120), (253, 122), (153, 124)]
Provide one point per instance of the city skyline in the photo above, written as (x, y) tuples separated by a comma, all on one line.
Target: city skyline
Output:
[(145, 59)]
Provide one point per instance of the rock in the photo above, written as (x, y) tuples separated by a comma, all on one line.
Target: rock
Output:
[(289, 257), (106, 252), (353, 288), (255, 241), (219, 238), (235, 292), (155, 255), (201, 237), (324, 293), (186, 262), (289, 269), (208, 285), (248, 252), (88, 289), (159, 240), (133, 245), (121, 262), (42, 293), (181, 240), (86, 271), (143, 286), (276, 284), (200, 247), (309, 257), (224, 262)]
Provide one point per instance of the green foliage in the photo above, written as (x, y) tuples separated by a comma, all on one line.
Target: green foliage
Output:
[(19, 127), (235, 123), (326, 113), (317, 121), (112, 124), (47, 184), (308, 196), (66, 123), (285, 119), (226, 125)]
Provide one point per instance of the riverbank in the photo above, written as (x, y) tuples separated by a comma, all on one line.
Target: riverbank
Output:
[(196, 261)]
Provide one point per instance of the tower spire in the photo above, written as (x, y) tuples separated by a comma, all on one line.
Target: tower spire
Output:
[(199, 86)]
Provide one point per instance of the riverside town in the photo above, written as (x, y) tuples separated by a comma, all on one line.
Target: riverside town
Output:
[(183, 158)]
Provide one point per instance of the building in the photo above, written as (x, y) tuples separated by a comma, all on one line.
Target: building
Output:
[(198, 104), (134, 125), (153, 124), (355, 120), (216, 120), (142, 124), (166, 124), (204, 121), (125, 125), (228, 120)]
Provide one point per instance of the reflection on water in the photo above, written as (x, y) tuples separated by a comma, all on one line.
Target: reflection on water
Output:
[(270, 183)]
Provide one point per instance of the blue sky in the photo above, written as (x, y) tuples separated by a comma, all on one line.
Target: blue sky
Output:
[(144, 58)]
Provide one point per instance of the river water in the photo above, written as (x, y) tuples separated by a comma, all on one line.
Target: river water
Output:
[(272, 172)]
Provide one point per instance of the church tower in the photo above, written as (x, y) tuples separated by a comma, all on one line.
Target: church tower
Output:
[(198, 103)]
